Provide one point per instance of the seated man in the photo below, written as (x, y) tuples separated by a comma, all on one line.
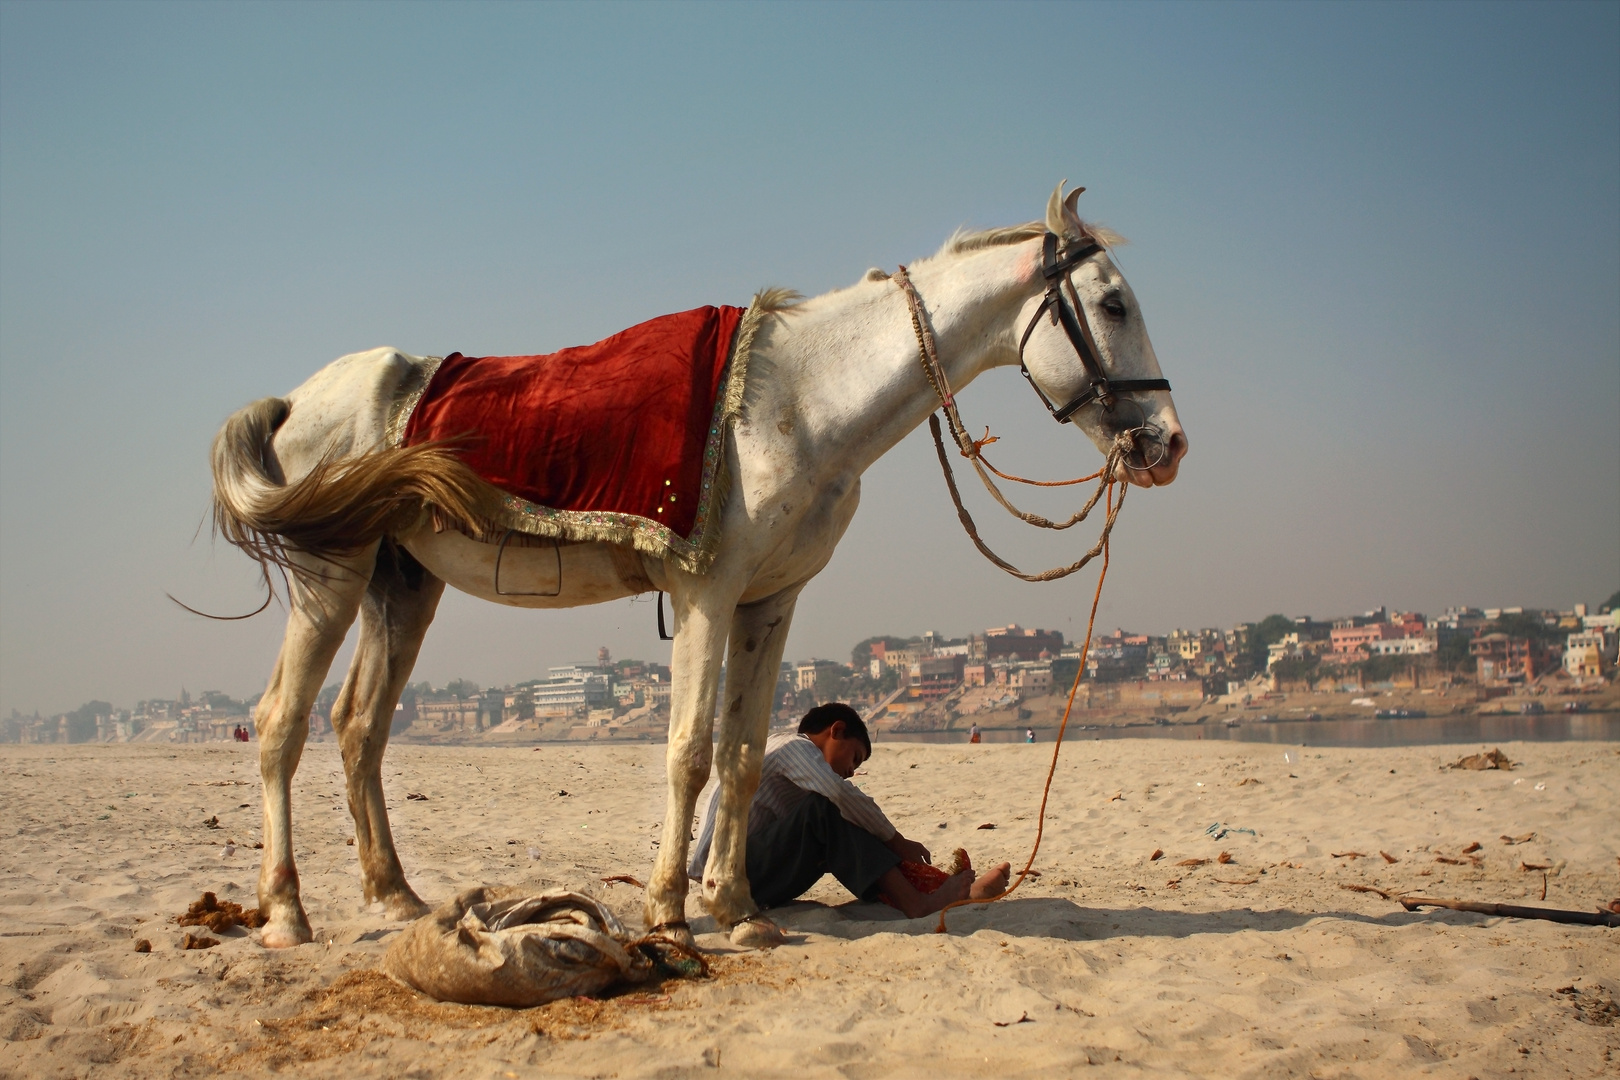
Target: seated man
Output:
[(807, 820)]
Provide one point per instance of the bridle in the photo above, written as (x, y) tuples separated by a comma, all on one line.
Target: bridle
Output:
[(1057, 264)]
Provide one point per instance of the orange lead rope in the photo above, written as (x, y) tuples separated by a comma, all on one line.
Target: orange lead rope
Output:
[(1057, 745), (978, 452), (973, 450)]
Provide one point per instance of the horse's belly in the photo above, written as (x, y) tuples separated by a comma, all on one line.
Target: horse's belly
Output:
[(535, 574), (808, 546)]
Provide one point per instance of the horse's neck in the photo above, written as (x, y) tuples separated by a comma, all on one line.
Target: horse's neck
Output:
[(850, 363)]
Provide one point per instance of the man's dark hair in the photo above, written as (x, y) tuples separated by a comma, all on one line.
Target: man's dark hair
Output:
[(822, 717)]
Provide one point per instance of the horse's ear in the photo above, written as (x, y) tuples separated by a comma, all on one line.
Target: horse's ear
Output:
[(1054, 211), (1068, 203), (1060, 216)]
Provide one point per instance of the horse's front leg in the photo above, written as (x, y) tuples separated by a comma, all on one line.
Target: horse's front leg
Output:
[(753, 663), (703, 611)]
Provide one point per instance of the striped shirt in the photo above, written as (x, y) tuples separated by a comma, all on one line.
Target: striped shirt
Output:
[(793, 770)]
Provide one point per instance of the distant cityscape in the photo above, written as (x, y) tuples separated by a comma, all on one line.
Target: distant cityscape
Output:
[(929, 682)]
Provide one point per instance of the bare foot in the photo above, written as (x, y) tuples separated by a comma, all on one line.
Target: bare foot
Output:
[(955, 888), (913, 904), (991, 882)]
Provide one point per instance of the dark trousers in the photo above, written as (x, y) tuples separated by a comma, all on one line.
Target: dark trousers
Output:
[(789, 855)]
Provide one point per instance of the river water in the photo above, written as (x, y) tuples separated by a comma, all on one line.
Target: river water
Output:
[(1576, 727)]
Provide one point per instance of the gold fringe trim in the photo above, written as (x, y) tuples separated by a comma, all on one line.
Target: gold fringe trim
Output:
[(406, 396), (515, 515)]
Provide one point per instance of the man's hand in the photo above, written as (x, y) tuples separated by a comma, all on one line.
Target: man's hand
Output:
[(908, 850)]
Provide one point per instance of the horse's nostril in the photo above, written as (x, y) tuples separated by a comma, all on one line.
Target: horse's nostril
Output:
[(1177, 448)]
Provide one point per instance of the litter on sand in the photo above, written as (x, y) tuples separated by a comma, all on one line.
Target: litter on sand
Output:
[(505, 947), (1492, 759), (1220, 831)]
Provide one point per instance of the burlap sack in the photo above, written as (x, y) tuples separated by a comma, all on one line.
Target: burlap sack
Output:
[(502, 947)]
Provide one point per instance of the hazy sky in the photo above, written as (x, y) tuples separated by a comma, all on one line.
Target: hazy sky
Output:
[(1378, 247)]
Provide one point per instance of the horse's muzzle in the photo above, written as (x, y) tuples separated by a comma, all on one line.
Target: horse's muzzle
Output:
[(1156, 458)]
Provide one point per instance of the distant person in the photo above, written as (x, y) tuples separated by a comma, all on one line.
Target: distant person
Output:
[(807, 820), (1029, 735), (973, 734)]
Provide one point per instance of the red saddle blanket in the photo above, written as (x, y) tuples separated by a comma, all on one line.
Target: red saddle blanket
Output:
[(617, 441)]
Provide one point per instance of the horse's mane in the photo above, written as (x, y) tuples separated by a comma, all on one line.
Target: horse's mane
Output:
[(960, 242), (964, 240), (777, 299)]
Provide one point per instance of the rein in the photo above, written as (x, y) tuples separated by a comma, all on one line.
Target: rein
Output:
[(972, 449), (1056, 268)]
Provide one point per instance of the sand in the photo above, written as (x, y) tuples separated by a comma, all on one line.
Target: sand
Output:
[(1110, 964)]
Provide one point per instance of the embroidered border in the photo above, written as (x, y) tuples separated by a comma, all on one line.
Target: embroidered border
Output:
[(406, 396), (692, 553)]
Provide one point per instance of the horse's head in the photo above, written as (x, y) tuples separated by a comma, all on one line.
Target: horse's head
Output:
[(1086, 349)]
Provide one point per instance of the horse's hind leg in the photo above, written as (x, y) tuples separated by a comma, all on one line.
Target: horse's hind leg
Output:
[(323, 600), (394, 617)]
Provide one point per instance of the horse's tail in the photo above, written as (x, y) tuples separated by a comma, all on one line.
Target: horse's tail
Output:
[(341, 505)]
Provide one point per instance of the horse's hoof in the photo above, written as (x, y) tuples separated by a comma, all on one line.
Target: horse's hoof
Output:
[(757, 932), (285, 935), (677, 931), (405, 908)]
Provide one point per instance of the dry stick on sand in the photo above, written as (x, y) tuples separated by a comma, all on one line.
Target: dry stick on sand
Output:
[(1367, 888), (1513, 911), (1509, 911)]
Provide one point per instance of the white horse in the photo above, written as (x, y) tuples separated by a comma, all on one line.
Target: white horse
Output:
[(313, 482)]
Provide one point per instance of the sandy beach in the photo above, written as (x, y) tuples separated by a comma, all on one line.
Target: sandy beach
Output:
[(1112, 962)]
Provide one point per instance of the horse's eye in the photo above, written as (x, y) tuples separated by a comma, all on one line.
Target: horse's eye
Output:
[(1114, 305)]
